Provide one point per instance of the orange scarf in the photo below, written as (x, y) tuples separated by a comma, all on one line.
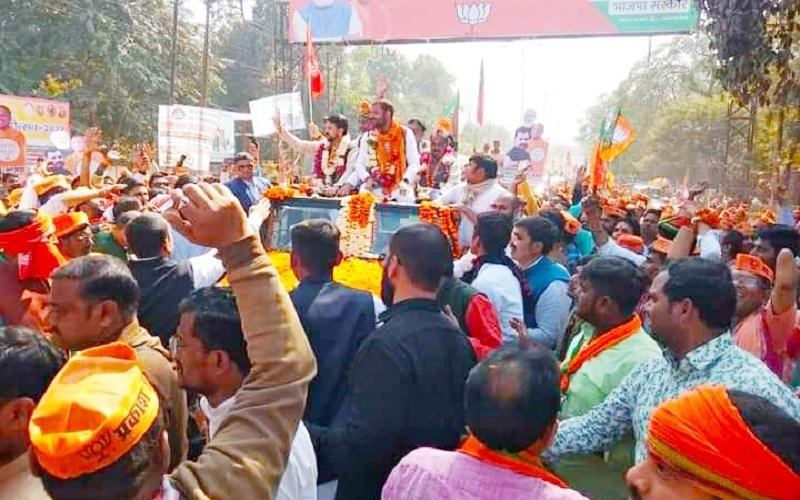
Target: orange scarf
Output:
[(596, 346), (36, 254), (524, 463), (391, 151), (703, 434)]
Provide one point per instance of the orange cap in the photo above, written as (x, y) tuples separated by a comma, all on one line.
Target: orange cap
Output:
[(708, 217), (364, 109), (14, 197), (571, 224), (51, 182), (753, 265), (768, 217), (614, 211), (661, 245), (95, 411), (443, 127), (631, 242), (68, 223)]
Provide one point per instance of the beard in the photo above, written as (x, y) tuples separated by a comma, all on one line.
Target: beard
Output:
[(387, 290)]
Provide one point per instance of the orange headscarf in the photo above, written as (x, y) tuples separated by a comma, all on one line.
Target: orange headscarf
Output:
[(596, 346), (703, 434), (33, 245), (753, 265)]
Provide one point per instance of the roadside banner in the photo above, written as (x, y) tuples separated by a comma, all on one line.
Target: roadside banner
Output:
[(36, 128), (187, 130)]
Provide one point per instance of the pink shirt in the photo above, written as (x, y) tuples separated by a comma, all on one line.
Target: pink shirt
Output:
[(750, 336), (427, 474)]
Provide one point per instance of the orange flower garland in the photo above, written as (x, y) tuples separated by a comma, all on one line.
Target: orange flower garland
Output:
[(444, 217), (361, 274), (360, 207), (280, 193)]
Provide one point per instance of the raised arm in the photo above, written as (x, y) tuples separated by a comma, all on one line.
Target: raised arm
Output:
[(247, 456)]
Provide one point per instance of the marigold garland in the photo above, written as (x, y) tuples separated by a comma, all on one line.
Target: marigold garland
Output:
[(360, 207), (361, 274), (444, 217), (356, 231), (280, 193)]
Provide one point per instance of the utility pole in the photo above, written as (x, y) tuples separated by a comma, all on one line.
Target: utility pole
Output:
[(204, 84), (174, 64)]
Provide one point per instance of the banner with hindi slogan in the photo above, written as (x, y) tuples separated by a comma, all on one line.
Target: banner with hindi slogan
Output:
[(28, 131), (289, 107), (355, 21), (187, 130)]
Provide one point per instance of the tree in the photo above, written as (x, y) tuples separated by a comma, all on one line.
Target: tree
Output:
[(116, 52), (474, 136), (419, 89), (674, 77)]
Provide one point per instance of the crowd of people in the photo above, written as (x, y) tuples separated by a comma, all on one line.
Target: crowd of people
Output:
[(579, 346)]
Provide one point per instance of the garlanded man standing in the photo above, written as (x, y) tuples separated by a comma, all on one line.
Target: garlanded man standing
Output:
[(388, 160), (334, 153)]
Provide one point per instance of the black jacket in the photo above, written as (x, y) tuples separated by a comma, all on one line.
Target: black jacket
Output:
[(406, 391)]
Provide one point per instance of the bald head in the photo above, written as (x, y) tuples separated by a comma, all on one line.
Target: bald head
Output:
[(507, 204), (512, 398)]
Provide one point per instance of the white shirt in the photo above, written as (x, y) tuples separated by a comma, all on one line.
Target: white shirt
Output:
[(362, 172), (709, 245), (482, 203), (207, 270), (299, 481), (54, 206), (502, 288), (613, 249)]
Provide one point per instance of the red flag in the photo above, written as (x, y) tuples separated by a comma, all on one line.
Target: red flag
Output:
[(480, 97), (316, 85)]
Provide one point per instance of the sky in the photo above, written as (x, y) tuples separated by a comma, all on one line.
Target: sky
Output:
[(559, 78)]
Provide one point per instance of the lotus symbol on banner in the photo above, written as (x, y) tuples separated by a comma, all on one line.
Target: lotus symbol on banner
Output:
[(473, 13)]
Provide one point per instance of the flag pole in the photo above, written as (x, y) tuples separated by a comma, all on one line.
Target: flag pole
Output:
[(308, 76)]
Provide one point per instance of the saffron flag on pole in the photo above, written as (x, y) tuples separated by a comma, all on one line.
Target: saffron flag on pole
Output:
[(616, 136), (316, 85), (480, 97), (451, 113)]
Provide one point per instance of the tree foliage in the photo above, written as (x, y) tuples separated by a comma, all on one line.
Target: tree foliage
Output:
[(419, 89), (680, 70), (756, 44), (115, 53)]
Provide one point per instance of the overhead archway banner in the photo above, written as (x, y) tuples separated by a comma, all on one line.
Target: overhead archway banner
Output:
[(361, 21)]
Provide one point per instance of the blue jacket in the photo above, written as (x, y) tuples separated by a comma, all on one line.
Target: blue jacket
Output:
[(239, 189), (539, 278)]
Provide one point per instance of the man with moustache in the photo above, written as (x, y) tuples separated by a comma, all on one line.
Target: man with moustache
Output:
[(335, 154), (407, 380)]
